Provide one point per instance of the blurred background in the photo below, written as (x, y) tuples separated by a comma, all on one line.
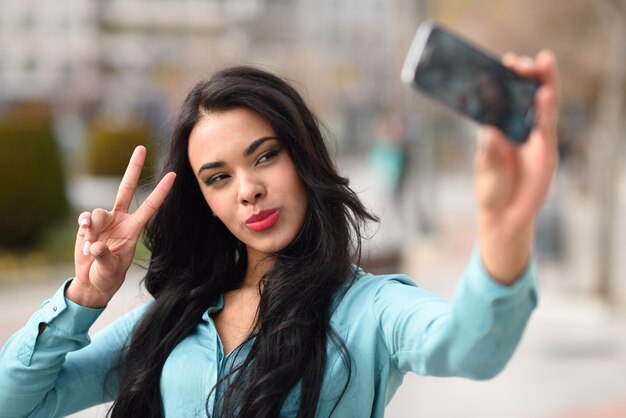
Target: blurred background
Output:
[(82, 82)]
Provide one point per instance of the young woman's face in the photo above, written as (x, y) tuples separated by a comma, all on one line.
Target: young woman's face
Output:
[(248, 179)]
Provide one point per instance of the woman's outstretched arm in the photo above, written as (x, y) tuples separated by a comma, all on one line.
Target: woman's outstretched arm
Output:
[(511, 181)]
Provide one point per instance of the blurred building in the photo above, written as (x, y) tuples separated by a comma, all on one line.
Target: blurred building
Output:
[(127, 56), (143, 42), (108, 51), (346, 56), (47, 49)]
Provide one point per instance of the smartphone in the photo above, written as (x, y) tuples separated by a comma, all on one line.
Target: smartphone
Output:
[(450, 69)]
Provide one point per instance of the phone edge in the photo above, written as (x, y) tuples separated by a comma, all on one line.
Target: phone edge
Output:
[(407, 74)]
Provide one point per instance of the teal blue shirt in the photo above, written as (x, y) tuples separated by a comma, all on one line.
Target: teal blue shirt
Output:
[(389, 325)]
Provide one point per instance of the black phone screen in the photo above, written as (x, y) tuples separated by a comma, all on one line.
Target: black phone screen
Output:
[(476, 84)]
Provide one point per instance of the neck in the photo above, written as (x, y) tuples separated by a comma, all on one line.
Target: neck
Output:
[(258, 265)]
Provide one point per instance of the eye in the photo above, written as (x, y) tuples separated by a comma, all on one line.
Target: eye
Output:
[(268, 155), (216, 179)]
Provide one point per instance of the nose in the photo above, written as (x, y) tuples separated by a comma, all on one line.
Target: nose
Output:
[(251, 189)]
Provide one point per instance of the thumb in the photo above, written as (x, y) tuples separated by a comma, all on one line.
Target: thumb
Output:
[(492, 149), (108, 264), (494, 161)]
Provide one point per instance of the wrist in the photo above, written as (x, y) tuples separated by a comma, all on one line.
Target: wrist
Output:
[(505, 249), (86, 296)]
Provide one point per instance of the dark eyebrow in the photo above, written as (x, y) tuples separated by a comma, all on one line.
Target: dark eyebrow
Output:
[(208, 166), (247, 152), (256, 144)]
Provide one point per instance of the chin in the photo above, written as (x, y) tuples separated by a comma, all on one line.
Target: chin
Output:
[(270, 246)]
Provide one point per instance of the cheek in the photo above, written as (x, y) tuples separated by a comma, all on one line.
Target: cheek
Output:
[(214, 205), (302, 197), (298, 184)]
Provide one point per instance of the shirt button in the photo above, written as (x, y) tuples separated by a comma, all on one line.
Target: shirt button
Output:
[(54, 308)]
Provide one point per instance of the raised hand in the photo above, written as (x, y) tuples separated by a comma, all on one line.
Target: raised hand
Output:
[(512, 181), (106, 240)]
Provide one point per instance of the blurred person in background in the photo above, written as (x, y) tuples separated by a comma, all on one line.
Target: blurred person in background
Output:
[(259, 307)]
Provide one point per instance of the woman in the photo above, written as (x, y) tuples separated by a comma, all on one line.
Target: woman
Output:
[(259, 307)]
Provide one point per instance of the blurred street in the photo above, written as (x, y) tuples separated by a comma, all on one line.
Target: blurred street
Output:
[(82, 82), (571, 362)]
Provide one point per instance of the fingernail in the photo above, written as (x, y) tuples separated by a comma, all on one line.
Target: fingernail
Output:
[(86, 248), (83, 222)]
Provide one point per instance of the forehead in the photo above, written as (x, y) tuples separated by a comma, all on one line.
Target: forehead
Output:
[(230, 130)]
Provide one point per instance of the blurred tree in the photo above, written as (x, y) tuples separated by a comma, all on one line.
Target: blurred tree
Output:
[(111, 144), (32, 191)]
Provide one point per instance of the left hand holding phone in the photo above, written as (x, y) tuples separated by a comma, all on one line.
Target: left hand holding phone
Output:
[(511, 182), (106, 240)]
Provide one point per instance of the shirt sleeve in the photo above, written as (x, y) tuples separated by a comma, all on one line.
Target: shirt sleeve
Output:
[(60, 370), (473, 336)]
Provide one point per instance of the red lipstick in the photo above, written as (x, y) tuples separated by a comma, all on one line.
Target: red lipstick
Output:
[(263, 220)]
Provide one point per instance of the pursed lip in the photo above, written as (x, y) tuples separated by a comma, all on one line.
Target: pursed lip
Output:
[(263, 219), (260, 215)]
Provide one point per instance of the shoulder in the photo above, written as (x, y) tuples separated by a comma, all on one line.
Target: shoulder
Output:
[(386, 297), (362, 289), (368, 282)]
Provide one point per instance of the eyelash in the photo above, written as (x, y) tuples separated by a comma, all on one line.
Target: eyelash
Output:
[(265, 157), (215, 179), (269, 155)]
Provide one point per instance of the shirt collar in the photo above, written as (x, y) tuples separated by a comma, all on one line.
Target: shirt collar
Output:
[(356, 272), (216, 305)]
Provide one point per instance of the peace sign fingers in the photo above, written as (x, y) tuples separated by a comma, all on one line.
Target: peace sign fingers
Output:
[(101, 220), (128, 187), (106, 240)]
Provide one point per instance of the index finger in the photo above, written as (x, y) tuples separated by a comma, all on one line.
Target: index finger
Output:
[(548, 72), (548, 96), (155, 199), (129, 182), (542, 68)]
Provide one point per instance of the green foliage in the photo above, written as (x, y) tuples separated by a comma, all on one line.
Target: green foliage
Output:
[(32, 189), (110, 146)]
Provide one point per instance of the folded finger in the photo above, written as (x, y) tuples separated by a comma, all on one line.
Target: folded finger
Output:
[(526, 67), (84, 221), (548, 71), (547, 112), (99, 220), (108, 263), (509, 59)]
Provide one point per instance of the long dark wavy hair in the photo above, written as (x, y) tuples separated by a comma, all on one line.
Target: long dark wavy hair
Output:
[(195, 259)]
